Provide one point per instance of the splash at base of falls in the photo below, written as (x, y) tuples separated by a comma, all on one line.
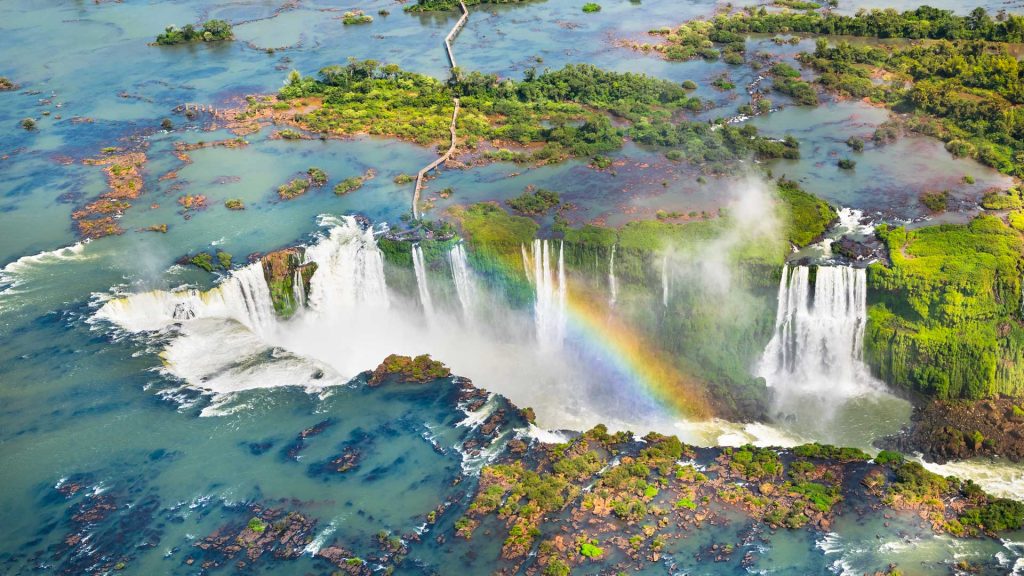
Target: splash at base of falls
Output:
[(814, 359)]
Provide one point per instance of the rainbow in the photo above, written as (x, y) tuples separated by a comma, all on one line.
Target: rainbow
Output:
[(638, 361)]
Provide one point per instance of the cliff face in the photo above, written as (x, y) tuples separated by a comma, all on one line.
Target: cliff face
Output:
[(945, 317)]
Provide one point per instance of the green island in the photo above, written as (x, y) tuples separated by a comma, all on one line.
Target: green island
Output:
[(550, 115), (209, 31)]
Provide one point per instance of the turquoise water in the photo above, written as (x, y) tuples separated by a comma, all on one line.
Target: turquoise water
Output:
[(83, 403)]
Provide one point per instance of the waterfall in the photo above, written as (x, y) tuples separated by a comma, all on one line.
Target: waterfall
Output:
[(549, 285), (613, 286), (299, 290), (664, 281), (464, 286), (243, 297), (419, 266), (350, 269), (817, 347)]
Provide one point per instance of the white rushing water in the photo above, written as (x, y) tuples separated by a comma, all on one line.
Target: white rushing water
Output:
[(817, 347), (350, 269), (243, 297), (613, 285), (465, 287), (420, 268), (550, 289)]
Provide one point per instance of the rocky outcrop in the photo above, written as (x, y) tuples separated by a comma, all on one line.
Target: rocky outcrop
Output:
[(420, 369), (283, 270), (945, 430)]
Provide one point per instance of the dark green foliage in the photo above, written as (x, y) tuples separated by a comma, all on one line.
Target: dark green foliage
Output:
[(935, 201), (568, 110), (887, 457), (202, 260), (855, 144), (317, 176), (967, 93), (830, 452), (846, 164), (801, 91), (924, 22), (996, 516), (753, 462), (224, 259), (822, 497), (211, 31), (419, 369), (534, 203)]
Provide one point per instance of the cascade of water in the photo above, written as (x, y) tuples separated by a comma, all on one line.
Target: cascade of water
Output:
[(613, 286), (299, 290), (420, 267), (817, 346), (464, 286), (550, 302), (350, 269), (244, 297), (664, 281)]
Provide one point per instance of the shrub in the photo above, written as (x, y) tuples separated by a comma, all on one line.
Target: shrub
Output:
[(28, 124), (356, 17), (590, 7), (534, 203), (293, 189), (846, 164), (935, 201), (257, 525), (689, 85), (855, 144), (234, 204), (590, 549), (317, 176), (348, 185)]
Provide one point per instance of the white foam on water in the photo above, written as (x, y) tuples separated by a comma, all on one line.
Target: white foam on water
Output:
[(998, 477)]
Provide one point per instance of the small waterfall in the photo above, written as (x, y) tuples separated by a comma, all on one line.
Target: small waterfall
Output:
[(817, 347), (299, 290), (664, 281), (613, 285), (549, 284), (350, 269), (420, 268), (464, 286)]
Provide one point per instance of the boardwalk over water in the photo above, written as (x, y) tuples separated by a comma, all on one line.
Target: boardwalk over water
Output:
[(421, 175)]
